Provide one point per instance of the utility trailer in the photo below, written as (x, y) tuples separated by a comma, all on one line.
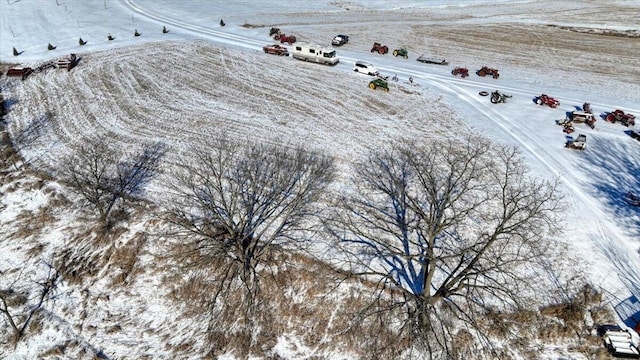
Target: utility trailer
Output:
[(619, 342), (432, 60)]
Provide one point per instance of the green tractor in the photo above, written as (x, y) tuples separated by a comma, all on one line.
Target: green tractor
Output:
[(401, 52), (378, 83), (274, 31)]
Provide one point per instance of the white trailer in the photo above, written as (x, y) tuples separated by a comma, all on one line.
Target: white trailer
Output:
[(315, 53), (619, 342)]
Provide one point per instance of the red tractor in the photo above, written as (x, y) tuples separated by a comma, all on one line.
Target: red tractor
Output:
[(620, 116), (380, 49), (485, 70), (463, 72), (545, 99), (287, 39)]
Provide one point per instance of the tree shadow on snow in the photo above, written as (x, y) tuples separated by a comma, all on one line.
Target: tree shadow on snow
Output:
[(629, 311), (7, 104), (612, 168), (616, 171)]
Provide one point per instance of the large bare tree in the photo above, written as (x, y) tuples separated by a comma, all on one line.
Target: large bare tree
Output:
[(449, 230), (237, 207), (105, 176)]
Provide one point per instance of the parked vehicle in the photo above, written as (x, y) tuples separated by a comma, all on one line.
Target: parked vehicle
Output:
[(68, 62), (276, 49), (579, 143), (582, 117), (380, 49), (568, 128), (315, 53), (378, 84), (365, 68), (340, 40), (287, 39), (401, 52), (545, 99), (487, 71), (497, 97), (432, 60), (274, 31), (621, 117), (463, 72)]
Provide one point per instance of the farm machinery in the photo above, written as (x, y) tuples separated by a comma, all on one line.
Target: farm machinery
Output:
[(463, 72), (568, 128), (432, 60), (278, 35), (379, 48), (582, 117), (487, 71), (379, 84), (545, 99), (401, 52), (286, 39), (621, 117), (578, 143), (497, 97), (577, 117), (68, 62)]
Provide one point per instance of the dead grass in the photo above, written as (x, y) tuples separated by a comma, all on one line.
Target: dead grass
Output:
[(299, 299), (126, 258), (81, 258)]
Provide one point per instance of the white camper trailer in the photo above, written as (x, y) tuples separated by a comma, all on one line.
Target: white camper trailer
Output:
[(315, 53)]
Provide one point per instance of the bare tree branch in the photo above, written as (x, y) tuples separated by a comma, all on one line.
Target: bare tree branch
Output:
[(455, 225), (19, 307), (235, 207), (104, 176)]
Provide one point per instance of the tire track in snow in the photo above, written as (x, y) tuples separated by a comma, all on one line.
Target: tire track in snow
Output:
[(220, 36)]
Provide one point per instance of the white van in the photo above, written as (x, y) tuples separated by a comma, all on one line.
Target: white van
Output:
[(315, 53), (365, 68)]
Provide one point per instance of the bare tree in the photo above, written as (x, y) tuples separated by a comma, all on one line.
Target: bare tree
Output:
[(104, 176), (450, 230), (237, 207), (19, 303)]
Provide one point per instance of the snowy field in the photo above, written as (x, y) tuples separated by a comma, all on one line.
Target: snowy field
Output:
[(201, 78)]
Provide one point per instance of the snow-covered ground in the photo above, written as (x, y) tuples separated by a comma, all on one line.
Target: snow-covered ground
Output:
[(200, 77)]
